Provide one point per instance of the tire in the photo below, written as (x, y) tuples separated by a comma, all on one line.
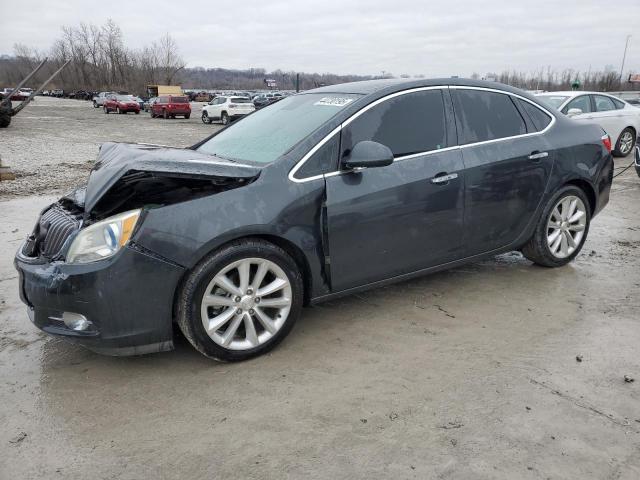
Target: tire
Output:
[(241, 345), (95, 105), (173, 117), (205, 118), (225, 118), (137, 112), (153, 115), (539, 247), (187, 116), (626, 142), (118, 111), (105, 109), (165, 115)]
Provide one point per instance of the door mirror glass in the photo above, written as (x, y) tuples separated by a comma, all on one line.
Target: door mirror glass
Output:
[(574, 111), (368, 154)]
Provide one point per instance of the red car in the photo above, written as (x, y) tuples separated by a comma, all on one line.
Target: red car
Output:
[(169, 106), (121, 104)]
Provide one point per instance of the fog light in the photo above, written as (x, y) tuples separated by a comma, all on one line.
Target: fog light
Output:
[(75, 321)]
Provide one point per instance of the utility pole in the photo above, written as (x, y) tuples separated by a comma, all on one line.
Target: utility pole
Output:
[(624, 57)]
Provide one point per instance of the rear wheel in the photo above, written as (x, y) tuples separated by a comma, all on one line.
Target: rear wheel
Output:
[(561, 230), (240, 301), (187, 115), (625, 143)]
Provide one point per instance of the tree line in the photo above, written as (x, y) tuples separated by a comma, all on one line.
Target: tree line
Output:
[(100, 60)]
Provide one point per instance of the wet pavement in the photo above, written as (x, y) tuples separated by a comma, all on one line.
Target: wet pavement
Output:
[(469, 373)]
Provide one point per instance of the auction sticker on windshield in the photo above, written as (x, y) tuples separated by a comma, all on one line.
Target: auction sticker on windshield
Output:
[(334, 101)]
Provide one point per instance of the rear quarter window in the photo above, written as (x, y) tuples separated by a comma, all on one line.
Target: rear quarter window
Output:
[(537, 116), (486, 116)]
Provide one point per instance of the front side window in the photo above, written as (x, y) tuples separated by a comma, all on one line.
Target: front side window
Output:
[(407, 124), (269, 133), (486, 116), (582, 102), (603, 104)]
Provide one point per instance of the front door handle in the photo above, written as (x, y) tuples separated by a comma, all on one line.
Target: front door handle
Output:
[(444, 178), (538, 155)]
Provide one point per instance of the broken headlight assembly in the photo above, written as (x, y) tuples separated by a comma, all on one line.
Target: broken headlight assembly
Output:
[(103, 239)]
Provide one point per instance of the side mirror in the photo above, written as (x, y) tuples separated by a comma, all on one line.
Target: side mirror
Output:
[(368, 154), (574, 111)]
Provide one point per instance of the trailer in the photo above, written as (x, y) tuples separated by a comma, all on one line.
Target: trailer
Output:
[(6, 107)]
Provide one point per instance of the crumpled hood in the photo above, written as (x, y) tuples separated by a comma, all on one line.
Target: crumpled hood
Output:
[(117, 159)]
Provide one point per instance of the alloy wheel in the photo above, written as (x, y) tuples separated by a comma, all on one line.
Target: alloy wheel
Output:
[(246, 303), (626, 142), (566, 226)]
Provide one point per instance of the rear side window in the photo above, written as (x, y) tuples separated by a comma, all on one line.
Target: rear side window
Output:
[(619, 103), (603, 104), (582, 102), (486, 116), (407, 124), (538, 118)]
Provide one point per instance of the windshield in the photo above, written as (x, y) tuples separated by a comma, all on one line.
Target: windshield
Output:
[(553, 100), (240, 100), (124, 98), (268, 133)]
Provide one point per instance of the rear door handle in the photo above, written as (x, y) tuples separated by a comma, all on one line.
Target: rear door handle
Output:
[(538, 155), (444, 178)]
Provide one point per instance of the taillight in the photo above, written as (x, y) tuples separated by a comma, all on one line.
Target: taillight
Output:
[(606, 141)]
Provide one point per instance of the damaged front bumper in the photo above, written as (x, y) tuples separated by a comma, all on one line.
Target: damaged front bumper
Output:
[(126, 300)]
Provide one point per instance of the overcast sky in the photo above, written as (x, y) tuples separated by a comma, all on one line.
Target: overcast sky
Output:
[(434, 38)]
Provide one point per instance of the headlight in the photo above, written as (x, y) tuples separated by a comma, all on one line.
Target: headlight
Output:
[(103, 239)]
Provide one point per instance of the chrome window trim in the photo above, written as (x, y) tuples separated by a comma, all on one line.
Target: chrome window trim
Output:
[(330, 135)]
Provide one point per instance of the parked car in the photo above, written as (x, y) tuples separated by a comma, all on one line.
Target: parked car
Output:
[(121, 104), (147, 104), (323, 194), (139, 101), (618, 118), (637, 160), (226, 109), (170, 106), (98, 100), (266, 99)]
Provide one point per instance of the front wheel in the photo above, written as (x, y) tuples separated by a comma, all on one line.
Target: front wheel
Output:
[(561, 230), (626, 142), (205, 118), (105, 109), (165, 115), (240, 301), (187, 116), (95, 104), (225, 118)]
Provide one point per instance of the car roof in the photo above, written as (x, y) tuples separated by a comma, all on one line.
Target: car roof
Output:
[(367, 87)]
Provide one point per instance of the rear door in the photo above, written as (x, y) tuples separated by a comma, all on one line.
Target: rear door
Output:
[(507, 166), (608, 116), (387, 221)]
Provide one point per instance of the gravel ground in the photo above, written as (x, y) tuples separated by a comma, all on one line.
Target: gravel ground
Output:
[(51, 145), (495, 370)]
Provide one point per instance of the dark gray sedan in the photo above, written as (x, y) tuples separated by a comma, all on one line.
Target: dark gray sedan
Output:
[(322, 194)]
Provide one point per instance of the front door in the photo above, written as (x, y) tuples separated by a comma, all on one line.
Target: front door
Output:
[(387, 221)]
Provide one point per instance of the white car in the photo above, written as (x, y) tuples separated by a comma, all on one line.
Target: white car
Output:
[(226, 108), (618, 118), (98, 100)]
